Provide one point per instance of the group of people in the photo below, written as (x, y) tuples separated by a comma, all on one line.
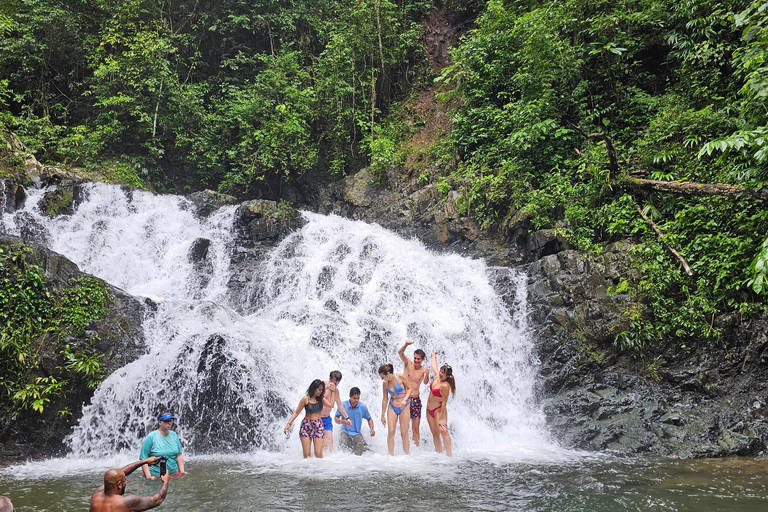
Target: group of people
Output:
[(400, 402)]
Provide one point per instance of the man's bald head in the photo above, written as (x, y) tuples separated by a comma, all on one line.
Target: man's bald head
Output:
[(5, 504), (114, 481)]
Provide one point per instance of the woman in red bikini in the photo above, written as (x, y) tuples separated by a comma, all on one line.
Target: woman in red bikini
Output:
[(311, 431), (396, 391), (437, 415)]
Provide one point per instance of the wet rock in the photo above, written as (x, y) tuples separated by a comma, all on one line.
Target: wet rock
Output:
[(207, 201), (260, 220), (63, 199), (360, 189), (117, 338)]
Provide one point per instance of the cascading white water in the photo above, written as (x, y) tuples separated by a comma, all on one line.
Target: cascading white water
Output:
[(337, 294)]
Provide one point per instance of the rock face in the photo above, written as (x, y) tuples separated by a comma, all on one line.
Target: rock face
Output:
[(118, 337), (709, 401)]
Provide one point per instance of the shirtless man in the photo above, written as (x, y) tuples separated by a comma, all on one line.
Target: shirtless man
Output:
[(332, 395), (110, 496), (416, 375), (5, 504)]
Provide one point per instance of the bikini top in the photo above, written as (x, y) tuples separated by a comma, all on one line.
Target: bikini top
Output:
[(398, 389), (435, 392), (311, 408)]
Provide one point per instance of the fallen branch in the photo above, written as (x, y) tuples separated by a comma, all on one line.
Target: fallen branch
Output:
[(696, 189), (664, 241)]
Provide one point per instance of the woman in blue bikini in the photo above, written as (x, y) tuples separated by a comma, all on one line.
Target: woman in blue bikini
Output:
[(396, 391)]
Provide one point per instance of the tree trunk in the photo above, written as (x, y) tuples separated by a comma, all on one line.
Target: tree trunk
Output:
[(696, 189)]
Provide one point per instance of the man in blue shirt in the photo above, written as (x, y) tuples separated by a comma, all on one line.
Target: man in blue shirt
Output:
[(351, 437)]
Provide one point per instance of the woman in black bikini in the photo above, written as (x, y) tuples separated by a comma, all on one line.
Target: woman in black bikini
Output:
[(437, 414), (311, 431), (398, 388)]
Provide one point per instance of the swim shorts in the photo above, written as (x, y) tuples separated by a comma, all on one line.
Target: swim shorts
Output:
[(327, 423), (311, 428), (415, 407)]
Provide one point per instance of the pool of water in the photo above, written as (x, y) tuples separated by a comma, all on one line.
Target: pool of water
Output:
[(488, 481)]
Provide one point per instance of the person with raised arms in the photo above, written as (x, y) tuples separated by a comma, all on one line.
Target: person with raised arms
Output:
[(110, 497), (416, 374), (396, 391), (437, 412)]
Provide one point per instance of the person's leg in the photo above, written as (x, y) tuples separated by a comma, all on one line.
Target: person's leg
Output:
[(415, 423), (359, 444), (447, 443), (345, 441), (416, 419), (435, 431), (318, 441), (328, 434), (306, 444), (391, 425), (405, 420)]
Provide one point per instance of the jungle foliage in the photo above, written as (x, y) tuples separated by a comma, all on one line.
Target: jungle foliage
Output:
[(678, 88), (36, 315), (555, 105), (236, 95)]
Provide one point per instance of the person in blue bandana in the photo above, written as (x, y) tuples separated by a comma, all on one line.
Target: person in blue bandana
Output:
[(163, 442)]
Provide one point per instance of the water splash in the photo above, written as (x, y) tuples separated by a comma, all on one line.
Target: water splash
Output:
[(337, 294)]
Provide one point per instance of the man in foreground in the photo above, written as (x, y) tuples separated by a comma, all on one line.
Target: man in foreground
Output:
[(416, 374), (110, 496), (351, 436), (5, 504)]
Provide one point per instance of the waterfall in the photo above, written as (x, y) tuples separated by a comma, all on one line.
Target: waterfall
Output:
[(232, 362)]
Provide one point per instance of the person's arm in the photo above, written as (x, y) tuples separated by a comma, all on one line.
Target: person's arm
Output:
[(384, 403), (434, 364), (407, 385), (133, 466), (370, 426), (180, 462), (426, 376), (340, 407), (147, 502), (442, 420), (401, 352), (301, 405), (146, 450)]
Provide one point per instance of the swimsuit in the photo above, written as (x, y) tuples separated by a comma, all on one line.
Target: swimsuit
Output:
[(397, 391), (327, 423), (312, 429), (435, 392), (415, 407), (311, 408)]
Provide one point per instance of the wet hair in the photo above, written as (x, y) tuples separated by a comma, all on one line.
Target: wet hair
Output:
[(354, 391), (386, 368), (420, 352), (335, 374), (313, 387), (449, 377)]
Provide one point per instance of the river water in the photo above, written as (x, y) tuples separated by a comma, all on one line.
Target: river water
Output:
[(230, 351)]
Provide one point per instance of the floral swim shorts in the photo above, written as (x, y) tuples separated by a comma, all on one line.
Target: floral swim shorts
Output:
[(311, 428), (415, 407)]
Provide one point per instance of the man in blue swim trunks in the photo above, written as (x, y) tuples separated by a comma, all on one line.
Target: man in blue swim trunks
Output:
[(332, 395), (351, 436)]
